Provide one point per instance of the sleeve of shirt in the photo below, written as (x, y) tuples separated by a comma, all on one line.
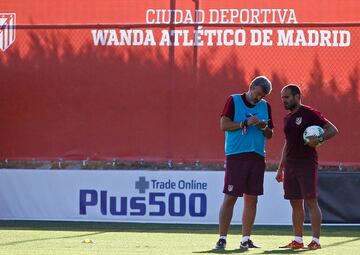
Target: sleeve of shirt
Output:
[(229, 108), (318, 118), (270, 122)]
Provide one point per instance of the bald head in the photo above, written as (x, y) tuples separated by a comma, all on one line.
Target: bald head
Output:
[(290, 96)]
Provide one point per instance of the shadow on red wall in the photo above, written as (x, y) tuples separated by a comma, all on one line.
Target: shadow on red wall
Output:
[(59, 101)]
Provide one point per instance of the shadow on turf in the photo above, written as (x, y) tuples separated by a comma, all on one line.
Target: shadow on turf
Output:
[(286, 251), (46, 239), (292, 251), (221, 251), (343, 242), (275, 251)]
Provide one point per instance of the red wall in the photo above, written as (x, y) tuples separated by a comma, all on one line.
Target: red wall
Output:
[(61, 96)]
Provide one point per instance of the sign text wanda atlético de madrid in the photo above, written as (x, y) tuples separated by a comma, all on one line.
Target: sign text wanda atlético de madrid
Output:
[(207, 34)]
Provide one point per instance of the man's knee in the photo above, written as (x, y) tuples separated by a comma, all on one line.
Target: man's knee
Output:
[(250, 200), (312, 203), (297, 204), (229, 200)]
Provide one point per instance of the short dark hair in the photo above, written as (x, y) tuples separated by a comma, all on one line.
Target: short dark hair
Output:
[(294, 89), (263, 82)]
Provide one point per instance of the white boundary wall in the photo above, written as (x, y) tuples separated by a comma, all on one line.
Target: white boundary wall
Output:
[(115, 196)]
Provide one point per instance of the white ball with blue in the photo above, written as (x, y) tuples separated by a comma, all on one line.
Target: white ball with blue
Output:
[(312, 131)]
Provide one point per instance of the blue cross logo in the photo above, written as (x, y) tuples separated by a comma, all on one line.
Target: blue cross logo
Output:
[(142, 185)]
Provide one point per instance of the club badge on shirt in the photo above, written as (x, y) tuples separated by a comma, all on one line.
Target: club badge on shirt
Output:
[(298, 120)]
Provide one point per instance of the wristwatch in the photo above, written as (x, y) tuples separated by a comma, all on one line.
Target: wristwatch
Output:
[(245, 123), (264, 128)]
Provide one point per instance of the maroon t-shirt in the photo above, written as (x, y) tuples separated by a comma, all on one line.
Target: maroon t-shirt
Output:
[(229, 109), (294, 126)]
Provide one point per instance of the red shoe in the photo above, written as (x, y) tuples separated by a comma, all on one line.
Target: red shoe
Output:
[(314, 245), (293, 245)]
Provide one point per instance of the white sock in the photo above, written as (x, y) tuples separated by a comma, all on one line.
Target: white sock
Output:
[(245, 239), (222, 237), (298, 239), (317, 240)]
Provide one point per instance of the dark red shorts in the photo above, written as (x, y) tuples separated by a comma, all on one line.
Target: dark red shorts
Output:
[(300, 182), (244, 174)]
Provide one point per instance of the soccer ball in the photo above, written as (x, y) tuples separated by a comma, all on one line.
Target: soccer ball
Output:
[(312, 131)]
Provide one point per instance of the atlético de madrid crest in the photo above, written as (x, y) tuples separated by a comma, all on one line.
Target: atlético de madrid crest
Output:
[(298, 120), (7, 30)]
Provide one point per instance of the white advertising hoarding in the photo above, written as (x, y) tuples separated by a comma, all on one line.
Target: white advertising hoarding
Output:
[(129, 196)]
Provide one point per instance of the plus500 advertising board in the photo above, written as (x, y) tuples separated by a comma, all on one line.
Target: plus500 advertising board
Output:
[(128, 196)]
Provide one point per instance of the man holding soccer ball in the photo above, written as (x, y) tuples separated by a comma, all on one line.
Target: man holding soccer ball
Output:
[(298, 164)]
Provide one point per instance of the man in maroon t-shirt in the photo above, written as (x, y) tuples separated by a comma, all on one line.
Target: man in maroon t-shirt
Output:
[(298, 164)]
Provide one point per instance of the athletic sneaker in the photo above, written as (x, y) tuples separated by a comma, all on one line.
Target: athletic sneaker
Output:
[(314, 245), (221, 244), (248, 244), (293, 245)]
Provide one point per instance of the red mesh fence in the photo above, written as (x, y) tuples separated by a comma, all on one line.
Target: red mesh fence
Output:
[(80, 92)]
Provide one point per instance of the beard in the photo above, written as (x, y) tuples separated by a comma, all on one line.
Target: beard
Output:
[(290, 106)]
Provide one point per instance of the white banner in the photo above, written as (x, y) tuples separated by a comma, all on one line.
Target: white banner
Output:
[(129, 196)]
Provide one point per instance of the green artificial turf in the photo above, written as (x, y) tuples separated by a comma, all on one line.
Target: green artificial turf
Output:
[(17, 237)]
